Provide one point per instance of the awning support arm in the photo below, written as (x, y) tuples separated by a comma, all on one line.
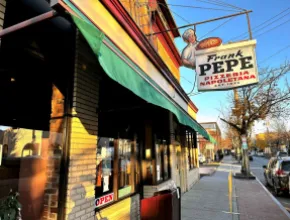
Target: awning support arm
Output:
[(201, 22), (29, 22)]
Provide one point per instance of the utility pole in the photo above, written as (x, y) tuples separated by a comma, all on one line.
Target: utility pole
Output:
[(244, 137), (245, 147)]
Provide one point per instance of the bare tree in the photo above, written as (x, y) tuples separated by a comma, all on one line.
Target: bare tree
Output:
[(280, 132), (269, 98)]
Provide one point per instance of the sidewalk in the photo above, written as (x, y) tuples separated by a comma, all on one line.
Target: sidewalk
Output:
[(209, 198), (208, 169)]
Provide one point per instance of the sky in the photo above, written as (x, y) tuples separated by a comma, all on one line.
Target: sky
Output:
[(268, 43)]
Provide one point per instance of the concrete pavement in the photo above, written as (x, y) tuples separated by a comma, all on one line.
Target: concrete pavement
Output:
[(219, 197), (208, 199)]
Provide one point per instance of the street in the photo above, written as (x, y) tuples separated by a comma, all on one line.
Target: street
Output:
[(257, 169)]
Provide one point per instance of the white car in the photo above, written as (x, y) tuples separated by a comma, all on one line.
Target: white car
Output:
[(201, 158)]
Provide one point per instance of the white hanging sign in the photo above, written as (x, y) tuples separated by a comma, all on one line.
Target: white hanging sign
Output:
[(226, 66)]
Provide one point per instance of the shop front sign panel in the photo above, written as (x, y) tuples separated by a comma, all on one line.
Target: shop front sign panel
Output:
[(227, 66), (103, 200)]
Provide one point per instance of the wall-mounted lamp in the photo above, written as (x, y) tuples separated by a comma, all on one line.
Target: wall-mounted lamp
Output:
[(148, 153)]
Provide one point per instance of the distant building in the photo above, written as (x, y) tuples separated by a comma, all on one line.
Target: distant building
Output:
[(206, 147), (272, 140)]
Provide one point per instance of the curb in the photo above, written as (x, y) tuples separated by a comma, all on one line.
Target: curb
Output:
[(214, 168), (274, 199), (235, 203), (243, 177), (209, 174)]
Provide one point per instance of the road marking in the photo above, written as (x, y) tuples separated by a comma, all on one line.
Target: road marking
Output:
[(230, 180), (233, 196), (286, 203), (274, 199), (233, 213), (256, 168)]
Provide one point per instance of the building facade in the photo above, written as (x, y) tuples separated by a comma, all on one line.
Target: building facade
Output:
[(95, 119), (207, 148)]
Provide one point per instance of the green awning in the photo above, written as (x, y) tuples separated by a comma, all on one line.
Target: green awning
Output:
[(121, 69)]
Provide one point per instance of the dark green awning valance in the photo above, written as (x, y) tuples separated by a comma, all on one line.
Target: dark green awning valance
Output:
[(121, 69)]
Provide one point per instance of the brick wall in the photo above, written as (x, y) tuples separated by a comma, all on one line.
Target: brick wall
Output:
[(52, 152), (83, 141)]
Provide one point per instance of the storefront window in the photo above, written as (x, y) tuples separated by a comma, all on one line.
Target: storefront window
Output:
[(190, 149), (121, 171), (26, 156), (162, 161), (166, 162), (126, 178), (105, 163)]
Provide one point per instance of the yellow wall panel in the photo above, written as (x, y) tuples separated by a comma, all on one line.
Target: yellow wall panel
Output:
[(168, 61), (191, 112)]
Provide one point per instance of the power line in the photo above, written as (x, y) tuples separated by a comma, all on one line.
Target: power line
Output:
[(219, 4), (194, 94), (216, 28), (272, 22), (273, 28), (227, 4), (189, 22), (259, 25), (186, 80), (175, 13), (191, 92), (201, 22), (185, 6), (279, 51), (198, 7)]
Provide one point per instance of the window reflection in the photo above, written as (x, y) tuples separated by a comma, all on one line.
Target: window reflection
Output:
[(162, 161), (125, 163), (119, 176), (105, 163), (28, 157)]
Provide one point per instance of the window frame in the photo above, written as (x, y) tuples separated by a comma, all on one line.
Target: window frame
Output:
[(162, 166), (191, 149), (116, 173)]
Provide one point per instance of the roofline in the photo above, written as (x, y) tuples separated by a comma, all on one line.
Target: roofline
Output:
[(171, 21)]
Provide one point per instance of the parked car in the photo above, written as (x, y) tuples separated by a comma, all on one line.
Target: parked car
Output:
[(201, 158), (227, 152), (250, 156), (282, 154), (276, 174), (260, 153)]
